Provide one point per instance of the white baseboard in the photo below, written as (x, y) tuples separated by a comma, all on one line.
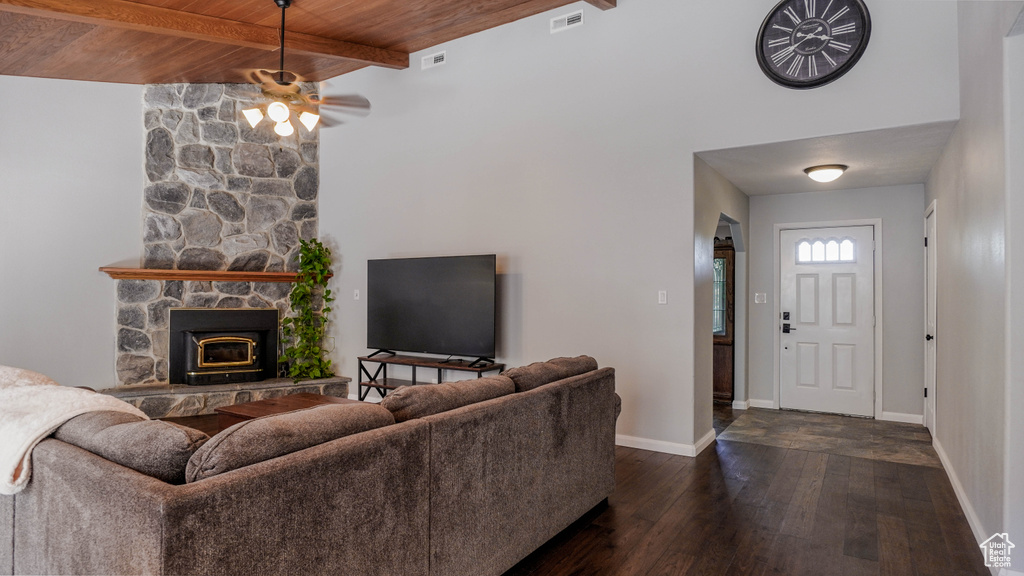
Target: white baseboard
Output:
[(704, 442), (754, 403), (905, 418), (972, 517), (666, 447), (740, 404)]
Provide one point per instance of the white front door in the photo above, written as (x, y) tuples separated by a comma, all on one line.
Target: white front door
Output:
[(931, 282), (827, 352)]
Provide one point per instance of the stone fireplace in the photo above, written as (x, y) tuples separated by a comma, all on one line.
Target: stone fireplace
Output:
[(219, 195)]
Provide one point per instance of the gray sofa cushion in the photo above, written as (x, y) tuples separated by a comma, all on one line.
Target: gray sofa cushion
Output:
[(268, 437), (410, 402), (153, 447), (540, 373)]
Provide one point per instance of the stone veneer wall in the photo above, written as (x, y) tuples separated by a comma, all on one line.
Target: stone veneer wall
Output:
[(220, 195), (162, 401)]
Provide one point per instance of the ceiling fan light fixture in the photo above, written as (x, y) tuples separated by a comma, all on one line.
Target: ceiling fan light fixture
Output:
[(825, 172), (278, 112), (284, 128), (253, 115), (309, 120)]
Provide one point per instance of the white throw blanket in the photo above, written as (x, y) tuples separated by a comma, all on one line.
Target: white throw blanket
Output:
[(31, 407)]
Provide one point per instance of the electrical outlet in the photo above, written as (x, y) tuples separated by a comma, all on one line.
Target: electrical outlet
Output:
[(662, 297), (760, 297), (355, 295)]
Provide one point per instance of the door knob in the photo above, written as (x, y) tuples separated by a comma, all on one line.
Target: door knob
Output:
[(786, 328)]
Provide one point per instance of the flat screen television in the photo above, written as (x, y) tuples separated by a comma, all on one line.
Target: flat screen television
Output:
[(439, 305)]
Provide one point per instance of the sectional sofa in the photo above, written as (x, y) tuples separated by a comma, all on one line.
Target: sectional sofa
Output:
[(463, 478)]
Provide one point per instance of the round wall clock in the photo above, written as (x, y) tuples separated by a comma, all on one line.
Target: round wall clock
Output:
[(809, 43)]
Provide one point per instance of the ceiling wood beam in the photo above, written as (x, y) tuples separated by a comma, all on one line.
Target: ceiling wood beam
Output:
[(145, 18), (602, 4)]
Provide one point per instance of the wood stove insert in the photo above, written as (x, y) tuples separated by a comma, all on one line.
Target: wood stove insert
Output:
[(222, 346)]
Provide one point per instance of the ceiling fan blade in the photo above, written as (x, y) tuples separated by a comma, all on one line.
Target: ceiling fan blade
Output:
[(329, 121), (349, 104)]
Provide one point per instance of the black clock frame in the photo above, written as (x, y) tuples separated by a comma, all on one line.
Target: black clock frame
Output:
[(764, 60)]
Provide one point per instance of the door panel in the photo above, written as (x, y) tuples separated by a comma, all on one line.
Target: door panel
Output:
[(807, 364), (807, 298), (844, 299), (827, 289), (844, 366)]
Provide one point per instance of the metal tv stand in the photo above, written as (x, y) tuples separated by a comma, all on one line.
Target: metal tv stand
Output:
[(380, 382)]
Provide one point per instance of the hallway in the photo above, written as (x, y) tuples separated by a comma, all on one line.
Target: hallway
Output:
[(745, 508)]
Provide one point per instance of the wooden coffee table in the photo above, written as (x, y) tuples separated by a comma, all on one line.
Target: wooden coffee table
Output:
[(230, 415)]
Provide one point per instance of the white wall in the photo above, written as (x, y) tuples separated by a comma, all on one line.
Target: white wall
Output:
[(570, 155), (901, 209), (714, 196), (71, 182), (1013, 510), (969, 187)]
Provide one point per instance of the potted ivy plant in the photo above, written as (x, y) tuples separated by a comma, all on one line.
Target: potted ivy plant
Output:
[(303, 332)]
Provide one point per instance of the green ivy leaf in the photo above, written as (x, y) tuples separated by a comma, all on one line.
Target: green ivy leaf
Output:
[(304, 330)]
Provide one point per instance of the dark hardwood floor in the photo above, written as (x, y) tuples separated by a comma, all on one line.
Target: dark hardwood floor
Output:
[(749, 509), (723, 415)]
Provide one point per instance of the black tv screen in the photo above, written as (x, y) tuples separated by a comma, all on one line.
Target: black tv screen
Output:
[(441, 305)]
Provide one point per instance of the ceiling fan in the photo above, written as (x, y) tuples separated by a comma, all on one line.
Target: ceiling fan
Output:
[(288, 100)]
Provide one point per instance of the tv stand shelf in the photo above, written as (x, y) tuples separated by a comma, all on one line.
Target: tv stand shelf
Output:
[(380, 381)]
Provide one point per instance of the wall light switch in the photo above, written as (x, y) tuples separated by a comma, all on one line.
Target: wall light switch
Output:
[(760, 297), (662, 297), (355, 295)]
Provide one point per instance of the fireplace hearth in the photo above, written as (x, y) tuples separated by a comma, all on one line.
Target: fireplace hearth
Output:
[(222, 346)]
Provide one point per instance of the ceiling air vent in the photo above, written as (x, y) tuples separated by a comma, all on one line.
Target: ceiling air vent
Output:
[(436, 59), (566, 21)]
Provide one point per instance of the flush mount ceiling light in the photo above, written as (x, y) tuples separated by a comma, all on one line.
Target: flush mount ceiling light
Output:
[(825, 172), (288, 102)]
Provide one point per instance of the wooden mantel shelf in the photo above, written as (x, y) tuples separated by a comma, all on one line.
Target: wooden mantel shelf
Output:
[(197, 275)]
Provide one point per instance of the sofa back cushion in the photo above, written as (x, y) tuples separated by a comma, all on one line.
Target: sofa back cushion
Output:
[(268, 437), (410, 402), (541, 373), (153, 447)]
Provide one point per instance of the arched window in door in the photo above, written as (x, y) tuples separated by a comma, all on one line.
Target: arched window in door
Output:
[(817, 250)]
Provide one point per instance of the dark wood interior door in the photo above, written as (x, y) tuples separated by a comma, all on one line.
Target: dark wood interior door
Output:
[(724, 309)]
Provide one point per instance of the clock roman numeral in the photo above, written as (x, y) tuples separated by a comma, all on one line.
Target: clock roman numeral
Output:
[(844, 48), (780, 57), (783, 28), (779, 42), (795, 66), (809, 8), (827, 8), (792, 15), (829, 58), (812, 66), (844, 29), (839, 14)]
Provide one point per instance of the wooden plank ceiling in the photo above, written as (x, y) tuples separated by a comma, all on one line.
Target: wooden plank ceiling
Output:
[(166, 41)]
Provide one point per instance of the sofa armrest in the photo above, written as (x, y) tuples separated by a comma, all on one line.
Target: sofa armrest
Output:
[(82, 514), (508, 474)]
